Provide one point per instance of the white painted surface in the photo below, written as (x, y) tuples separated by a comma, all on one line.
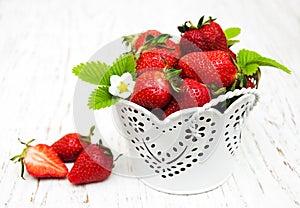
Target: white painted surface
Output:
[(40, 41)]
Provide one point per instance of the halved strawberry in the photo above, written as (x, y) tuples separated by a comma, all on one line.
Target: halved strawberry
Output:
[(41, 161)]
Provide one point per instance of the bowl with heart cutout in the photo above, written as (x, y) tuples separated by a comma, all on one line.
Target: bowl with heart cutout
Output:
[(191, 151)]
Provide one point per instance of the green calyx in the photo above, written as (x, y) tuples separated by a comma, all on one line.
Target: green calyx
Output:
[(129, 40), (154, 42), (88, 138), (172, 76), (107, 151), (20, 157), (188, 25)]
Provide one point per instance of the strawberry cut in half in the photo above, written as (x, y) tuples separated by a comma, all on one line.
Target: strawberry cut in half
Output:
[(41, 161)]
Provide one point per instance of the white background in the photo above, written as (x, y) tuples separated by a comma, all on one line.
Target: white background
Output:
[(40, 42)]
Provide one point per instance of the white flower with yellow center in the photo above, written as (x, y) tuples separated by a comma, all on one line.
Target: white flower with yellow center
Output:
[(121, 86)]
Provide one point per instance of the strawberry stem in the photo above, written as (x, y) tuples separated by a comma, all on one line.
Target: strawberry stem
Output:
[(20, 157), (154, 42), (172, 76), (107, 151), (88, 138), (120, 155)]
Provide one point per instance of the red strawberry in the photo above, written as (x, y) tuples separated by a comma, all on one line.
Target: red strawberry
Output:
[(249, 83), (232, 54), (94, 164), (192, 94), (41, 161), (210, 67), (207, 36), (69, 146), (140, 41), (172, 107), (154, 60), (151, 90), (157, 53)]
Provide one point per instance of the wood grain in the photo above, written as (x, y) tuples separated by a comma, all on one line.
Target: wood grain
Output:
[(40, 42)]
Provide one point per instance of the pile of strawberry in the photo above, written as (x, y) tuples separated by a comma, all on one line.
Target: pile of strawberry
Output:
[(173, 76), (92, 162)]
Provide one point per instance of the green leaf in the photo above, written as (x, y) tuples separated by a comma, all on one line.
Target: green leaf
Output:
[(77, 69), (232, 32), (263, 61), (244, 57), (249, 62), (93, 72), (125, 63), (101, 98), (251, 69), (200, 22), (232, 42)]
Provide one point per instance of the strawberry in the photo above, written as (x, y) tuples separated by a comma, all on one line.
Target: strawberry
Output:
[(232, 54), (249, 83), (41, 161), (151, 90), (210, 67), (69, 146), (192, 94), (207, 36), (141, 39), (157, 53), (94, 164), (154, 60), (172, 107)]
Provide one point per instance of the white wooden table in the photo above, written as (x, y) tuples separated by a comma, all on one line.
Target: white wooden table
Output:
[(40, 42)]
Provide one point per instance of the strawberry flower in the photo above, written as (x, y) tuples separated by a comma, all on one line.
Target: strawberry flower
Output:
[(121, 86)]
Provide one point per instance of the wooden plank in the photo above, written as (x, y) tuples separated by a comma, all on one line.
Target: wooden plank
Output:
[(40, 41)]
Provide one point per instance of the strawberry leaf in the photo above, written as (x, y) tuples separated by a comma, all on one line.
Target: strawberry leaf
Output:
[(250, 69), (263, 61), (232, 32), (249, 62), (244, 57), (93, 72), (124, 63), (232, 42), (101, 98), (77, 69)]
